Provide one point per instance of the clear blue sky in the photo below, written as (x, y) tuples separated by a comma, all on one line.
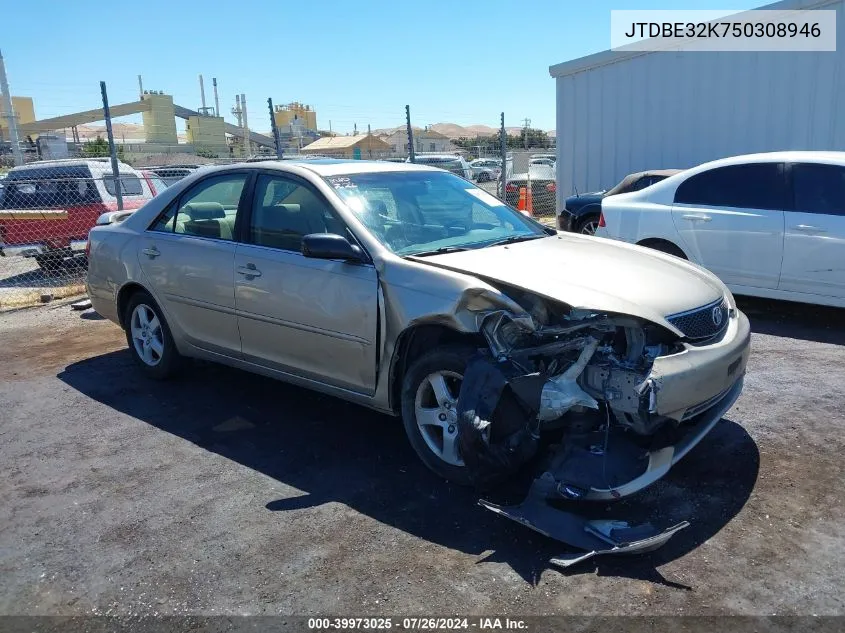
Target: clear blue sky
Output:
[(355, 62)]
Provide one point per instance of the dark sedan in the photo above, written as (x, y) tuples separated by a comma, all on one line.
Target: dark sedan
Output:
[(582, 211)]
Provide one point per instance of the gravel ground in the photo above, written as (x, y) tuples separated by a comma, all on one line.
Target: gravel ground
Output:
[(224, 492)]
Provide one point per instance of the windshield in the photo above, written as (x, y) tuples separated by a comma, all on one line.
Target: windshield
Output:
[(415, 212)]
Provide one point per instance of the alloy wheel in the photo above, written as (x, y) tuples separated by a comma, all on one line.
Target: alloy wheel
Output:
[(435, 408), (147, 336)]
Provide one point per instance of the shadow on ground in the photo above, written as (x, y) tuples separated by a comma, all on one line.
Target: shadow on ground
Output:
[(337, 451), (794, 320)]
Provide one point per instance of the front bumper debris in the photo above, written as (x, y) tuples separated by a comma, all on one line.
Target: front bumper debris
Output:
[(596, 537), (604, 464), (608, 402)]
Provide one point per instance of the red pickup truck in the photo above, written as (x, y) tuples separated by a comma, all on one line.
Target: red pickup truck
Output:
[(82, 188)]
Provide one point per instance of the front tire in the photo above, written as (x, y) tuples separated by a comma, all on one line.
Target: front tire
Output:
[(429, 413), (149, 338), (483, 177)]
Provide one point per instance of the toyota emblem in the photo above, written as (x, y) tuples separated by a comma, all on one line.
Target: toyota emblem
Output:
[(717, 316)]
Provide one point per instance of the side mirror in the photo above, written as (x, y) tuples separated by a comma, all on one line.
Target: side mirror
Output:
[(330, 246)]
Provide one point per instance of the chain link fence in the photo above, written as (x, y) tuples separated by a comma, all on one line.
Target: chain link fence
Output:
[(46, 211), (48, 205)]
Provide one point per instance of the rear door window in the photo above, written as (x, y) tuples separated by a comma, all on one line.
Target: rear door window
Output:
[(130, 185), (751, 186), (208, 209), (819, 188)]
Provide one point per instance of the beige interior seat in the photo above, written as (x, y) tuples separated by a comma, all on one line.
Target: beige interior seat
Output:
[(205, 219)]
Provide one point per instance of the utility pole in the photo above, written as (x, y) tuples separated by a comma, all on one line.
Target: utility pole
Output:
[(276, 136), (9, 114), (411, 153), (503, 148), (118, 183)]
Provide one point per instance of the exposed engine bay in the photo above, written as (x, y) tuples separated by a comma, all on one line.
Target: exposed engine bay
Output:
[(575, 390)]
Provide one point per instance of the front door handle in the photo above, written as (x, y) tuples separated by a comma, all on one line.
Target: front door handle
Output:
[(249, 271), (809, 228), (697, 217), (151, 252)]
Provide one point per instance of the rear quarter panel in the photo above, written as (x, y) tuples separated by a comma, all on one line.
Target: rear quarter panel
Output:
[(637, 216), (111, 264)]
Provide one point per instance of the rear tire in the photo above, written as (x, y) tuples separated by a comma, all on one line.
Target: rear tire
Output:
[(427, 418), (664, 247), (51, 263), (149, 338), (588, 225)]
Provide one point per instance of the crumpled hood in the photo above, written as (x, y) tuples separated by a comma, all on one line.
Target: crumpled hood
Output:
[(593, 273)]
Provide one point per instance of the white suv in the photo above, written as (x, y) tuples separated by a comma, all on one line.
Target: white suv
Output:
[(769, 225)]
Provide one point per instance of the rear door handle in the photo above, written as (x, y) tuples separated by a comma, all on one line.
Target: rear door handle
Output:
[(696, 217), (809, 228), (152, 252), (249, 271)]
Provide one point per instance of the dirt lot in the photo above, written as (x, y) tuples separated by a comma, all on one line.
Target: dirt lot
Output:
[(224, 492)]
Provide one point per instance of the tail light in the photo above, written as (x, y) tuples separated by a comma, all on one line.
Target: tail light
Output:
[(601, 220), (551, 187), (511, 188)]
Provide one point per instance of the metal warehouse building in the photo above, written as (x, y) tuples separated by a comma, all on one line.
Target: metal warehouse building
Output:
[(620, 112)]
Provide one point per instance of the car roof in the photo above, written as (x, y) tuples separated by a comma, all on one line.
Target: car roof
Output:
[(97, 166), (791, 156), (330, 166), (628, 180)]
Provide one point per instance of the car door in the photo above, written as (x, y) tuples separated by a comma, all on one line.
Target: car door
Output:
[(730, 220), (315, 318), (188, 255), (814, 237)]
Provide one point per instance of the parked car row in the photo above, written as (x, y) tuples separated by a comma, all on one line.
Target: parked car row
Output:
[(450, 162)]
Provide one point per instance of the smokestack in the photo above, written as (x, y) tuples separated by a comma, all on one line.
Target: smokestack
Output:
[(216, 100), (202, 95), (238, 110), (140, 87), (247, 144)]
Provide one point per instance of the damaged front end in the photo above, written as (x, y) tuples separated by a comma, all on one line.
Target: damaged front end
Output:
[(587, 385)]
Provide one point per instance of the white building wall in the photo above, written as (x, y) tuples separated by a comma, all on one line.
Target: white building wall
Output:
[(663, 110)]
